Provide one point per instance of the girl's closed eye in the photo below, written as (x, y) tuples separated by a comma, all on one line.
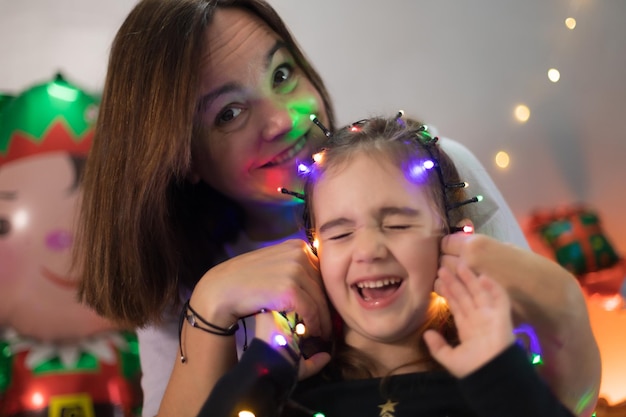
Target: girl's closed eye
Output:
[(339, 236), (396, 226)]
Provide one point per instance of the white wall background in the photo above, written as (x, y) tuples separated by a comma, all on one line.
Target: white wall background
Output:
[(460, 65)]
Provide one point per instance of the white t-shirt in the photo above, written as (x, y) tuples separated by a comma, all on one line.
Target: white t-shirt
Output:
[(158, 346)]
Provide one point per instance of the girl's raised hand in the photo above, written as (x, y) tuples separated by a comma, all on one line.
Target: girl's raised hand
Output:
[(482, 314)]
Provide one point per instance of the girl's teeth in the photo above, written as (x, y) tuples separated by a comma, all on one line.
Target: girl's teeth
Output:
[(377, 284)]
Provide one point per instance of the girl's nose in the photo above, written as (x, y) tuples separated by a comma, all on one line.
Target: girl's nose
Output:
[(369, 246)]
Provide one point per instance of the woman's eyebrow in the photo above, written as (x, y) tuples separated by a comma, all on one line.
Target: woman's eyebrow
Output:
[(207, 99), (272, 51)]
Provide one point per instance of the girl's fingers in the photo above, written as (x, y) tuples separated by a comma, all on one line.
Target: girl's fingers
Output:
[(475, 286), (455, 293), (437, 345)]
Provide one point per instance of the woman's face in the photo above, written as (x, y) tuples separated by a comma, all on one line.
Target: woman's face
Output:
[(378, 249), (256, 106)]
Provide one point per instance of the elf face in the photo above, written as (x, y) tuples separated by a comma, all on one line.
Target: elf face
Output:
[(38, 204)]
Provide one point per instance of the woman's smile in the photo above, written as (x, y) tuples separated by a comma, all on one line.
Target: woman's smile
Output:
[(288, 154)]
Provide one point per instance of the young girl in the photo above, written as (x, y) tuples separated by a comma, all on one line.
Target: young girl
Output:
[(380, 198)]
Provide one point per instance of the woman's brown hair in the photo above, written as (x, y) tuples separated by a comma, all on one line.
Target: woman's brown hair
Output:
[(144, 231)]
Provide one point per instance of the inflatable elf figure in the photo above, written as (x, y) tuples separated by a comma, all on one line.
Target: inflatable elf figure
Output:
[(4, 100), (57, 357)]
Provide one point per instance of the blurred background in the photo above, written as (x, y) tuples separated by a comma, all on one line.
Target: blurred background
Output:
[(536, 89)]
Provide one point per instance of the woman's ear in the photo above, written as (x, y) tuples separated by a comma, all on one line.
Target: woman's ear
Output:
[(465, 226), (192, 175)]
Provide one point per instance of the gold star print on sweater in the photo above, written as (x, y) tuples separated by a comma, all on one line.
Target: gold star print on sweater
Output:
[(387, 409)]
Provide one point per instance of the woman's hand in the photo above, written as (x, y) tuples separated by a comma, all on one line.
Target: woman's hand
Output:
[(482, 314), (282, 277), (267, 327)]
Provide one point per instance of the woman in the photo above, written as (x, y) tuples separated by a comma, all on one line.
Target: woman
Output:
[(204, 115)]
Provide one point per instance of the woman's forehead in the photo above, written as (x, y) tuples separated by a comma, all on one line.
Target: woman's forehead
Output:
[(237, 43)]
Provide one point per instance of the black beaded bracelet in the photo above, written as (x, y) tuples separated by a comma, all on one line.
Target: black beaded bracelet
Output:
[(192, 317)]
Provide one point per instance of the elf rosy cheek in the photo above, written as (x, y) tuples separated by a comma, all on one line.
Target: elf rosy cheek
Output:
[(59, 240)]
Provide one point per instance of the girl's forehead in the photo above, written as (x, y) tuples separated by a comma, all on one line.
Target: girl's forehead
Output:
[(361, 176), (366, 180)]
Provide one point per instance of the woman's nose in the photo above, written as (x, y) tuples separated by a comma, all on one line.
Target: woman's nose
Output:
[(369, 245), (277, 119)]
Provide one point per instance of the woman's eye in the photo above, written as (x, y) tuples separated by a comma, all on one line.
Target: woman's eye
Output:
[(282, 74), (228, 115)]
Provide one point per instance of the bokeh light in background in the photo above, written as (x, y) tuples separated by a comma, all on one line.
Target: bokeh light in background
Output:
[(522, 113), (570, 22), (502, 160), (554, 75)]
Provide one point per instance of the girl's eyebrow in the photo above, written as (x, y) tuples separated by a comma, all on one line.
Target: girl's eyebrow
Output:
[(341, 221), (404, 211)]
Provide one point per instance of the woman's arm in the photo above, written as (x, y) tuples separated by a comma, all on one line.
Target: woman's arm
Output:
[(283, 277), (544, 295)]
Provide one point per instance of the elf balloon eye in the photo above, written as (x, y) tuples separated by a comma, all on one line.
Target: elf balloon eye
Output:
[(5, 226)]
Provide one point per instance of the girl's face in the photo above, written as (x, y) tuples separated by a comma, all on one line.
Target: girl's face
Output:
[(256, 105), (378, 249)]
